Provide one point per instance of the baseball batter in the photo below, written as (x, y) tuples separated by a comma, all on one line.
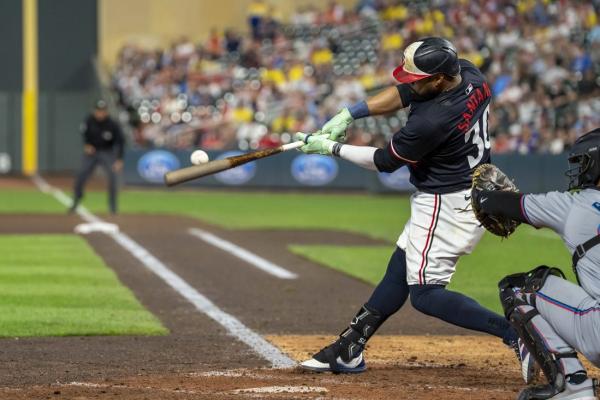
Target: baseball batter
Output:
[(444, 139), (554, 317)]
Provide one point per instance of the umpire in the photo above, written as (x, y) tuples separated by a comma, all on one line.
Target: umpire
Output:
[(103, 144)]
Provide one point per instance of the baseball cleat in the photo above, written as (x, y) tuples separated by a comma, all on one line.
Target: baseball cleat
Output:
[(319, 363), (582, 391), (529, 367)]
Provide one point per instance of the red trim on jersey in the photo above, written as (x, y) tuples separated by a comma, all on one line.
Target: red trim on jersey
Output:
[(427, 243), (398, 155)]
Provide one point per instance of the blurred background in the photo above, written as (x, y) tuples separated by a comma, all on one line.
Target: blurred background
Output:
[(247, 74)]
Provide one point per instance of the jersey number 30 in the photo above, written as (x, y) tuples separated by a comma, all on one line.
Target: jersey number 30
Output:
[(479, 137)]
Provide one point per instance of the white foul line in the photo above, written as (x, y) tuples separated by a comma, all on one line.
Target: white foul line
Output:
[(233, 326), (62, 198), (243, 254)]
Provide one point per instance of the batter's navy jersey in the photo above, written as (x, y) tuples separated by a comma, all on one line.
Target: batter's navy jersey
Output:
[(446, 137)]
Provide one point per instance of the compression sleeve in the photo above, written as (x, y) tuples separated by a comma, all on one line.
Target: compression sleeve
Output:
[(362, 156), (503, 204)]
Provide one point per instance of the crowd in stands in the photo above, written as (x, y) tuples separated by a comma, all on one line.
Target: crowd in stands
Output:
[(245, 91)]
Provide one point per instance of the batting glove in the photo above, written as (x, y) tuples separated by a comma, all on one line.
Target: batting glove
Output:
[(315, 143), (336, 126)]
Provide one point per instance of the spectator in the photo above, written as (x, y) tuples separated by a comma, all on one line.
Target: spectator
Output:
[(542, 58)]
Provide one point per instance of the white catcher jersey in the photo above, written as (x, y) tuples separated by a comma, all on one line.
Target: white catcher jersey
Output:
[(575, 216)]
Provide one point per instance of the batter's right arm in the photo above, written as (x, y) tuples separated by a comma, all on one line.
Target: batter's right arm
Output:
[(384, 102), (391, 99)]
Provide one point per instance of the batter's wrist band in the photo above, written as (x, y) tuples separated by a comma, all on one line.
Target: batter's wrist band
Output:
[(336, 149), (359, 110), (306, 138)]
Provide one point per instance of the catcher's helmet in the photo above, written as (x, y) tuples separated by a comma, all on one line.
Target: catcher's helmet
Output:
[(427, 57), (584, 161)]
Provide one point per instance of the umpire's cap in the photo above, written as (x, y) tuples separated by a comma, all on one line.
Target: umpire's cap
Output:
[(101, 105), (427, 57)]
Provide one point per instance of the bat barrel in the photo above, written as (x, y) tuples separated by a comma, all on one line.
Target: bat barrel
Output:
[(196, 171)]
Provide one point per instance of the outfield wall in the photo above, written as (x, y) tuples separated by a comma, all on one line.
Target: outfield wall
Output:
[(57, 75), (294, 170)]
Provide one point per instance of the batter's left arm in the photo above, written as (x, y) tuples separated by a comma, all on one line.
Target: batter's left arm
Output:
[(407, 146), (369, 157)]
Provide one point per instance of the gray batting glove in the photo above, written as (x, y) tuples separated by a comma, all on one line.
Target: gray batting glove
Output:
[(336, 126)]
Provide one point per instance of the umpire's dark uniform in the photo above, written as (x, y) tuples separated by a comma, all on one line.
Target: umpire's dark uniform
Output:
[(104, 145)]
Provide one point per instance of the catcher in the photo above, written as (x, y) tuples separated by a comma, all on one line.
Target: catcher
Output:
[(554, 318)]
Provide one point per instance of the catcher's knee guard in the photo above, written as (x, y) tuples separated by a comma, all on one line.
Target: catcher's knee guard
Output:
[(353, 339), (520, 311), (526, 282)]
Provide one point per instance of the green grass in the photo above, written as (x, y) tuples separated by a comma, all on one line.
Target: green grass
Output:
[(55, 285), (15, 201), (376, 216)]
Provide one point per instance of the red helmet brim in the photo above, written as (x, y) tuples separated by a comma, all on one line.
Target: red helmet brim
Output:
[(403, 76)]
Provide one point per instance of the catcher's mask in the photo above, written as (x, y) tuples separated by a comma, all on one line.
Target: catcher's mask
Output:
[(584, 161)]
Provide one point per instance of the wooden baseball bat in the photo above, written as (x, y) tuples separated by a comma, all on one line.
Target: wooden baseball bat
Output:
[(178, 176)]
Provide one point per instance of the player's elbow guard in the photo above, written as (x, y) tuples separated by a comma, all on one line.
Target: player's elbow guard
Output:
[(385, 162)]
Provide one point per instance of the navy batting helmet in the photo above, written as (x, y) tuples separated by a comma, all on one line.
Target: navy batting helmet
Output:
[(427, 57)]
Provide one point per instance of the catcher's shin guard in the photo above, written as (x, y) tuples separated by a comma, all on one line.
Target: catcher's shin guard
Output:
[(339, 356), (547, 361)]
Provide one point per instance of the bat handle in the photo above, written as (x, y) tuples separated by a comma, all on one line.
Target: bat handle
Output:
[(293, 145)]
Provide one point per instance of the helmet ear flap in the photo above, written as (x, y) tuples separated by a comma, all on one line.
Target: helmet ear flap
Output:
[(587, 171), (579, 165), (584, 160), (593, 169)]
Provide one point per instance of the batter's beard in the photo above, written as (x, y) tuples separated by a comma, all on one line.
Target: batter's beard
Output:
[(421, 97)]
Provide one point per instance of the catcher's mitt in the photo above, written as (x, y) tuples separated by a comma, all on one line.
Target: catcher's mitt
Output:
[(489, 177)]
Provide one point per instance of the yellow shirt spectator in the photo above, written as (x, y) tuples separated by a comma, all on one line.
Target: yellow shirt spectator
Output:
[(368, 81), (274, 75), (322, 56), (392, 41), (395, 13), (525, 5), (425, 27), (283, 123), (243, 114), (296, 73), (474, 57), (257, 8), (591, 19)]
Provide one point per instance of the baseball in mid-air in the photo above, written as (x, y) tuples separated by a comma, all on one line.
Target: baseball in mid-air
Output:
[(199, 157)]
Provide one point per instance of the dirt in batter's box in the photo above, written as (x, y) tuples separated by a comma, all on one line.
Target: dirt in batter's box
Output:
[(400, 367)]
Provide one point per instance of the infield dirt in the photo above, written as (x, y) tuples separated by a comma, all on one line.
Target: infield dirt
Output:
[(415, 357)]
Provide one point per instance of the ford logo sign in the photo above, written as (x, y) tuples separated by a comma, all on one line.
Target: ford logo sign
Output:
[(238, 175), (153, 165), (314, 169), (397, 180)]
